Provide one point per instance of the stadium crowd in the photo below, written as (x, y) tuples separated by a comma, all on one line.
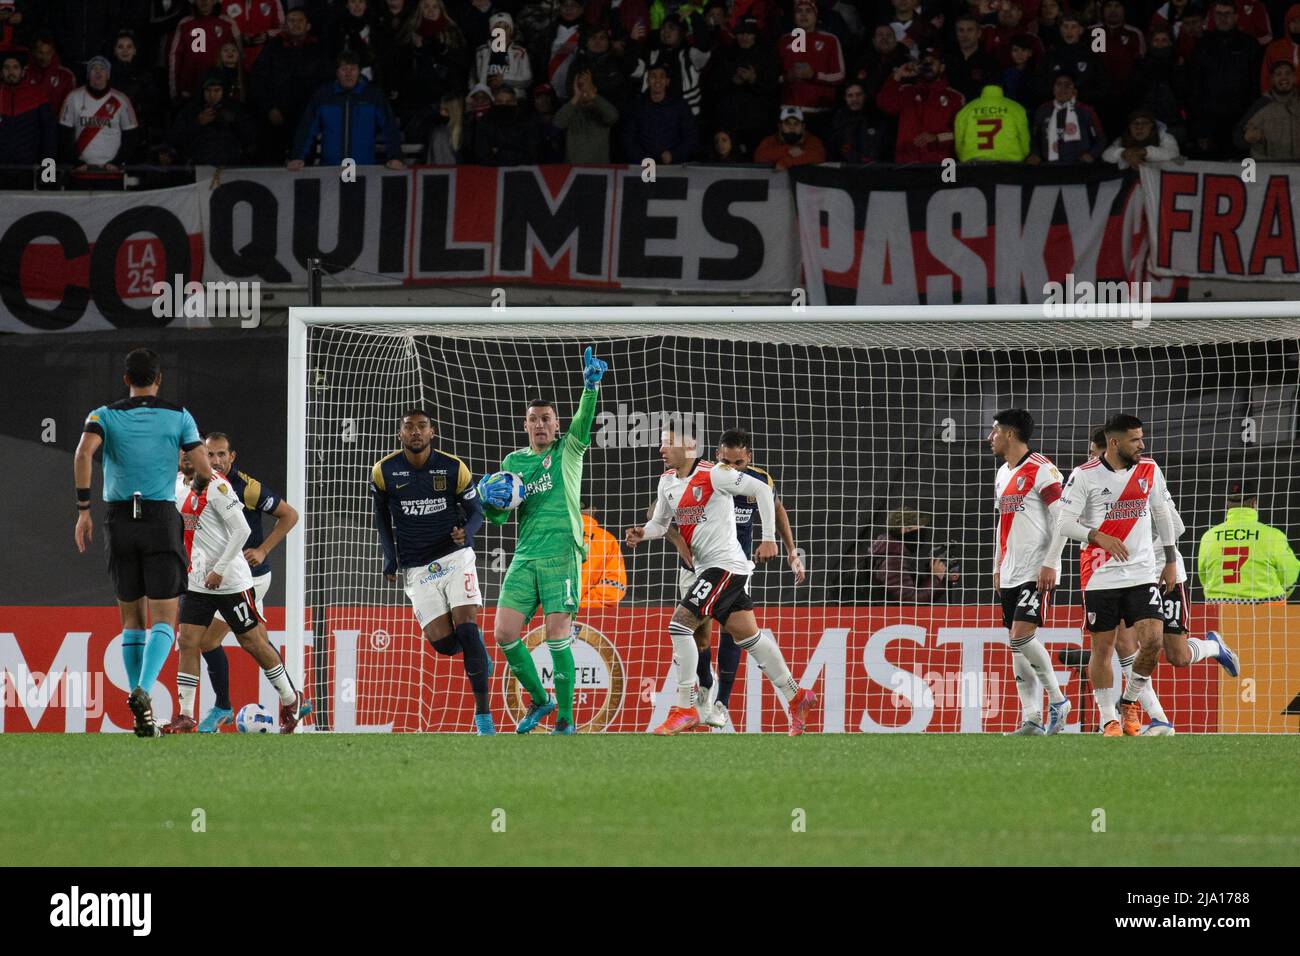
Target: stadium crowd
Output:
[(100, 83)]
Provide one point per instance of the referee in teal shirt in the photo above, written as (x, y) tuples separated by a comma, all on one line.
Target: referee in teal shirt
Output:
[(145, 540)]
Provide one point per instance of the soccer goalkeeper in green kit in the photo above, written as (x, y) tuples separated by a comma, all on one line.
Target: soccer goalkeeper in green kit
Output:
[(546, 567)]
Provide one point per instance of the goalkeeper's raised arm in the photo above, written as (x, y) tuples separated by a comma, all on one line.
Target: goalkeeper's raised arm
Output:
[(542, 426)]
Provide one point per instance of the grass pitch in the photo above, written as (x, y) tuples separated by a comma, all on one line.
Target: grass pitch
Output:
[(603, 799)]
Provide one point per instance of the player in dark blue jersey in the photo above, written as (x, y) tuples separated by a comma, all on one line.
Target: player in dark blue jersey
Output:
[(735, 450), (258, 500), (427, 512)]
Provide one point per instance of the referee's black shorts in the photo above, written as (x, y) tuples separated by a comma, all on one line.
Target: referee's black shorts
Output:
[(146, 555)]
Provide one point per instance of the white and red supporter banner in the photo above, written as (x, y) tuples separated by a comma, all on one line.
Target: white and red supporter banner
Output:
[(597, 227), (1224, 220), (996, 233), (82, 262), (886, 670)]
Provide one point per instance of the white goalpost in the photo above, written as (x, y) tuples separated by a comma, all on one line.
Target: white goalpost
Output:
[(856, 412)]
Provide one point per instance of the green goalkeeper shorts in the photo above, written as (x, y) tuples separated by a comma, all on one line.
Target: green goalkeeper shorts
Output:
[(551, 582)]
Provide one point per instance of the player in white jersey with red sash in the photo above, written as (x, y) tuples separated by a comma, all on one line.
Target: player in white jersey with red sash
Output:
[(1027, 564), (697, 495), (1126, 642), (1181, 650), (221, 582), (1118, 503)]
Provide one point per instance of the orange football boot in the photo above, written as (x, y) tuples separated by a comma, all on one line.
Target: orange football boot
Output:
[(802, 703), (680, 719), (1112, 729), (1131, 712)]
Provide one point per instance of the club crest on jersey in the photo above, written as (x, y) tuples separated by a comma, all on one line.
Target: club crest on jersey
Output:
[(546, 462), (440, 482), (697, 492), (1020, 483), (1142, 483)]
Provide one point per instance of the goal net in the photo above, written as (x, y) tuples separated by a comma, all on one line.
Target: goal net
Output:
[(865, 426)]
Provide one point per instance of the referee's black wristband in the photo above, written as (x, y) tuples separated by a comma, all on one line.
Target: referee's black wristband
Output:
[(83, 494)]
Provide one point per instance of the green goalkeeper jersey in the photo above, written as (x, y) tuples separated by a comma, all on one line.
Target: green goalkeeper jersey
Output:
[(1242, 559), (550, 519)]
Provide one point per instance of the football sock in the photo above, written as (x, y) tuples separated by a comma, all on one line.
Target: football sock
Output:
[(729, 654), (187, 686), (1032, 649), (279, 679), (702, 669), (1126, 667), (133, 655), (1031, 694), (219, 675), (687, 656), (156, 649), (1201, 650), (563, 667), (476, 663), (770, 661), (525, 671), (1147, 698), (1106, 697), (1134, 688)]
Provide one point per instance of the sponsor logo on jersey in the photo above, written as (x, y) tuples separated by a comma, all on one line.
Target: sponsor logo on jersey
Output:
[(1008, 503), (1123, 510), (401, 474), (423, 506), (599, 678), (544, 483)]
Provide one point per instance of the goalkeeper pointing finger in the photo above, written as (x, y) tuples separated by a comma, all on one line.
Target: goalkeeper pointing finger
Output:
[(550, 550)]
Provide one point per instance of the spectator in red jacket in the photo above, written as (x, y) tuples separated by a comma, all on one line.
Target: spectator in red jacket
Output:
[(1011, 23), (45, 71), (1252, 18), (812, 65), (1286, 47), (13, 25), (1125, 45), (206, 30), (27, 124), (258, 21), (792, 144), (919, 95)]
